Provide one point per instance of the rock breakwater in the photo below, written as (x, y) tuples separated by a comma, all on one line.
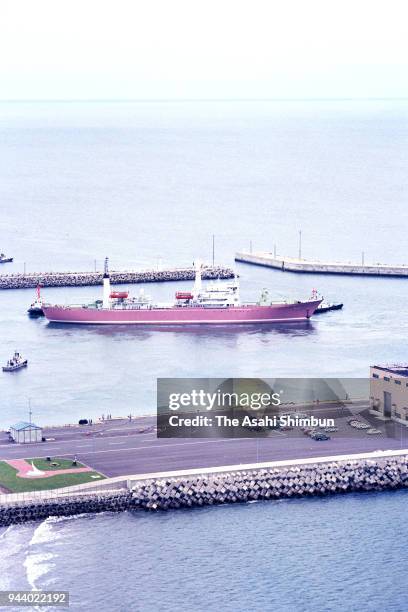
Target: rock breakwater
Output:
[(83, 279), (275, 483)]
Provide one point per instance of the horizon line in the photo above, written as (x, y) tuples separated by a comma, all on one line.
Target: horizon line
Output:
[(162, 100)]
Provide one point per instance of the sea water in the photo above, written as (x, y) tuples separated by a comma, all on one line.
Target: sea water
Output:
[(340, 554), (148, 184)]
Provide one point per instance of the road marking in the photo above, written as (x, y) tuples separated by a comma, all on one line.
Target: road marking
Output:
[(168, 446), (75, 431), (72, 441), (151, 447)]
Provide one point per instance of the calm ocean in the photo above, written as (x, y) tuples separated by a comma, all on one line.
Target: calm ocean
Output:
[(151, 182), (339, 554)]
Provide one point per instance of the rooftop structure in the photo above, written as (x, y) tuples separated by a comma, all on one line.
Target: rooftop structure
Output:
[(399, 369)]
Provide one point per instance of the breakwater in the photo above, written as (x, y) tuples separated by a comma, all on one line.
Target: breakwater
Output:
[(83, 279), (291, 264), (220, 486), (277, 483), (39, 510)]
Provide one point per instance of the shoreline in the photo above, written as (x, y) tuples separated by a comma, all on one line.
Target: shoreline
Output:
[(377, 471), (153, 413), (121, 449)]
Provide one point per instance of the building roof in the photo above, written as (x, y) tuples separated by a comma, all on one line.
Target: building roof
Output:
[(24, 425), (399, 369)]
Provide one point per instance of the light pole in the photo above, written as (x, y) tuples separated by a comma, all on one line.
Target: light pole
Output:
[(300, 244), (30, 416)]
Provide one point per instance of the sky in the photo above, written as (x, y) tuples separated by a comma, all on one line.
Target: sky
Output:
[(203, 49)]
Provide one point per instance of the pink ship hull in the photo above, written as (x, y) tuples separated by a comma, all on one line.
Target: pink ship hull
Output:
[(276, 313)]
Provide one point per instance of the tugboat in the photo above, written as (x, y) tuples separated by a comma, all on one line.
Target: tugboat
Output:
[(4, 259), (325, 306), (36, 308), (15, 363)]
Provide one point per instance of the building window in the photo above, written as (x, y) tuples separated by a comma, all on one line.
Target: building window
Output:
[(397, 382), (376, 376), (387, 378)]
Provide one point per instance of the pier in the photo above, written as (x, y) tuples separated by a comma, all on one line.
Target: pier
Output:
[(292, 264), (84, 279), (144, 472)]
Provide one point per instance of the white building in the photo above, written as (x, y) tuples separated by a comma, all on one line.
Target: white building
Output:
[(389, 392), (24, 432)]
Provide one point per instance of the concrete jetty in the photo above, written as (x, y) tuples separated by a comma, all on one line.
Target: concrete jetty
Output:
[(229, 484), (292, 264), (83, 279)]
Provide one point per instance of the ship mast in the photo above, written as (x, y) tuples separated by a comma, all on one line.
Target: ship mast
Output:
[(197, 283), (106, 285)]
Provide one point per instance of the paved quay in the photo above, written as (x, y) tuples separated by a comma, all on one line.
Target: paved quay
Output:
[(83, 279), (120, 447), (292, 264)]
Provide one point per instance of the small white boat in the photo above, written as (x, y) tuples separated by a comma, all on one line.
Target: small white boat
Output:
[(15, 363), (4, 259)]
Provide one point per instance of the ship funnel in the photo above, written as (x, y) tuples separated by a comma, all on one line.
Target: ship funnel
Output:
[(197, 283), (106, 268), (106, 285)]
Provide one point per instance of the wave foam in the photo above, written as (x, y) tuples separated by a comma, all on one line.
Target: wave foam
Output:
[(36, 566), (43, 534)]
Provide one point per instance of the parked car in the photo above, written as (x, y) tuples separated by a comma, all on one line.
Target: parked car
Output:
[(319, 436)]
